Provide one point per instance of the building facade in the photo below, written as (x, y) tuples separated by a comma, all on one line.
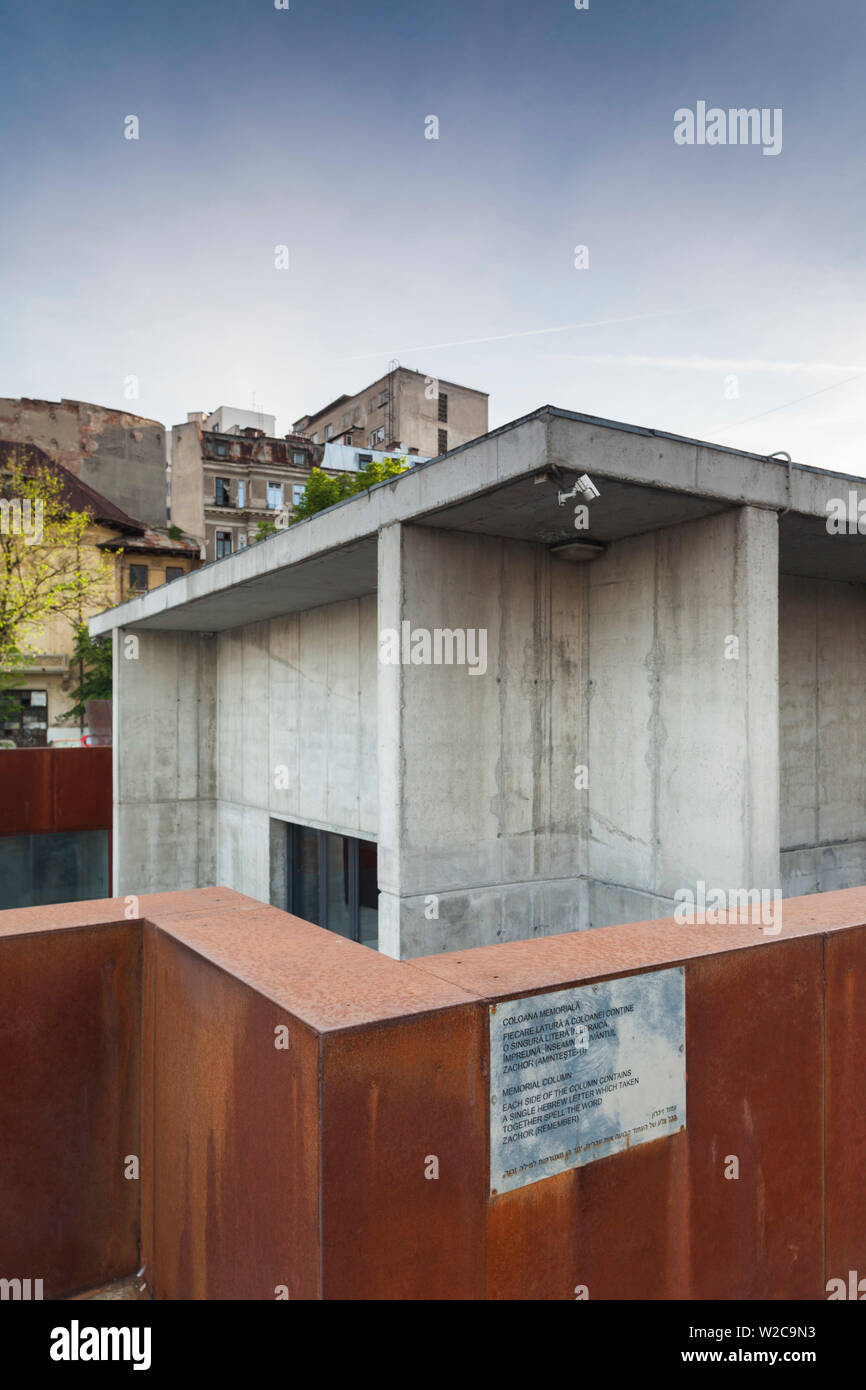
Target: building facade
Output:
[(524, 705), (224, 484), (121, 456), (403, 410), (228, 419)]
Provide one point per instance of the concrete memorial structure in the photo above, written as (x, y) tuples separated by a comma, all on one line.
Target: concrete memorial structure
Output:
[(560, 678)]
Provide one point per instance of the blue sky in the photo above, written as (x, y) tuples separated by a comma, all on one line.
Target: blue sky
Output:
[(261, 127)]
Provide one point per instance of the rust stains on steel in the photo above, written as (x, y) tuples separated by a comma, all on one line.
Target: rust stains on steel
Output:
[(354, 1162)]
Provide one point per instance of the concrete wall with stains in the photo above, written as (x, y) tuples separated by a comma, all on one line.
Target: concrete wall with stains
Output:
[(296, 734), (221, 735), (612, 674), (614, 749), (822, 627)]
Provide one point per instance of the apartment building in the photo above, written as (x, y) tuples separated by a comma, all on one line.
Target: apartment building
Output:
[(225, 482), (229, 419), (403, 410)]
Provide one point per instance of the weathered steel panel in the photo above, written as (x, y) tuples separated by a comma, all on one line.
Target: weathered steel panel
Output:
[(665, 1220), (69, 1113), (404, 1158), (354, 1162), (845, 1040), (235, 1120), (51, 789)]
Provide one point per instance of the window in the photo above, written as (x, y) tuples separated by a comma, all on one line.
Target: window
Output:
[(315, 439), (364, 459), (297, 494), (60, 867), (221, 450), (333, 882), (223, 544), (443, 442), (347, 418), (443, 406), (222, 492), (24, 719), (299, 458), (173, 572), (377, 436), (382, 398), (242, 540), (275, 496), (329, 430), (241, 491), (138, 579)]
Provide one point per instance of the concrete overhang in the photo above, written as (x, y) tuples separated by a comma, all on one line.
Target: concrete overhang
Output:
[(646, 479)]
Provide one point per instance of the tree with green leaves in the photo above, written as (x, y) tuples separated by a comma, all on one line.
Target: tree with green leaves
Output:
[(47, 566), (323, 490), (92, 661)]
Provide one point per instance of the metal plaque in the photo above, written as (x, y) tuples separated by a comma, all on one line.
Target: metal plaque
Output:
[(578, 1074)]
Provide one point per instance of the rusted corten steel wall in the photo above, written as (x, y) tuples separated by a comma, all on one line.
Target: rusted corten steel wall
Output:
[(294, 1160), (48, 789), (295, 1088), (70, 1068)]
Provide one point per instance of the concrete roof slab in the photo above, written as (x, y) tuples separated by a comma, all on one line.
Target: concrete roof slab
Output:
[(647, 479)]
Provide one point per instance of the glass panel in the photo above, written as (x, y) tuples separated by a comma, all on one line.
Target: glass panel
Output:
[(65, 867), (368, 893), (306, 870), (339, 908)]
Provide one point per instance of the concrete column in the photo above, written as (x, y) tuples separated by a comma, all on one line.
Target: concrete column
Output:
[(683, 670), (165, 774), (823, 725), (482, 835)]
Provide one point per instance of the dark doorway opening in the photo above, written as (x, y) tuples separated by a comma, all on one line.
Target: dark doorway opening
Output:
[(333, 881)]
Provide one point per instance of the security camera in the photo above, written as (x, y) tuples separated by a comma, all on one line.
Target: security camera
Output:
[(585, 486)]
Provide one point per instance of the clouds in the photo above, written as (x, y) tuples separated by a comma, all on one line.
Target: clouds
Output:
[(306, 128)]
